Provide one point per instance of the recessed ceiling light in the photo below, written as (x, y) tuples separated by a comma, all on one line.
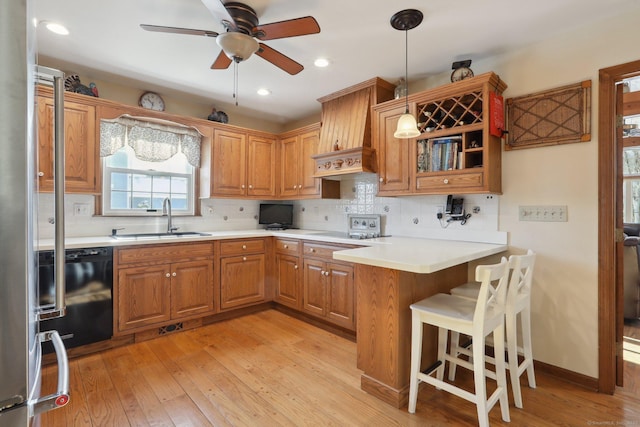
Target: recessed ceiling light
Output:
[(56, 28), (263, 91), (321, 62)]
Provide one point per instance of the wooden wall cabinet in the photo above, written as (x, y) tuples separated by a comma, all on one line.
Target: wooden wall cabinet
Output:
[(243, 269), (81, 147), (159, 284), (241, 165), (328, 285), (297, 167), (457, 114)]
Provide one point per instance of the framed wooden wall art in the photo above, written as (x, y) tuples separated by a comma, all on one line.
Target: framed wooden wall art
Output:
[(552, 117)]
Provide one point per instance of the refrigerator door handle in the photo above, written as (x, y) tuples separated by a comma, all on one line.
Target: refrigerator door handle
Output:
[(61, 396), (56, 78)]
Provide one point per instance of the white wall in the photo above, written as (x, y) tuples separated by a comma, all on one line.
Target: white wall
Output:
[(565, 306)]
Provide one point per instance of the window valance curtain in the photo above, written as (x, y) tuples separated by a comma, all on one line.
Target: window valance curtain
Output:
[(151, 141)]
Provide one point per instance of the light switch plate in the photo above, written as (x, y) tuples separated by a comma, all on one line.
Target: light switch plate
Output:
[(543, 213)]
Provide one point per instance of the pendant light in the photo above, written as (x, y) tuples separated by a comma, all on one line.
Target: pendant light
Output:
[(406, 20)]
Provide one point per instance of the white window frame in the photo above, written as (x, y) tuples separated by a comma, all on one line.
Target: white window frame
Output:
[(106, 192)]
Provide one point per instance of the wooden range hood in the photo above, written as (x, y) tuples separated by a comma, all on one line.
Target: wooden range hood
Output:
[(345, 135)]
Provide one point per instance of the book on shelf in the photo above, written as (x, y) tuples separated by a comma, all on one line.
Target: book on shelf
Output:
[(439, 154)]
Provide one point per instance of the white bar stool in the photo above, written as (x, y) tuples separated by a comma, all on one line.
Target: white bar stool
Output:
[(518, 302), (477, 319)]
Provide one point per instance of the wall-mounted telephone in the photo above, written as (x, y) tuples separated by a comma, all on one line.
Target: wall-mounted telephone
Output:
[(455, 207)]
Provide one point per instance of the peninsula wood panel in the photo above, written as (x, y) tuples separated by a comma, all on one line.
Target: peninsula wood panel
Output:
[(384, 325)]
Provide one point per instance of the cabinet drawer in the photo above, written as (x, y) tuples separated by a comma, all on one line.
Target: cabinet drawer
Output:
[(234, 247), (318, 250), (163, 253), (285, 246), (453, 181)]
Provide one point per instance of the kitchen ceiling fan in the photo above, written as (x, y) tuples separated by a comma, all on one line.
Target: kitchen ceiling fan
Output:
[(244, 35)]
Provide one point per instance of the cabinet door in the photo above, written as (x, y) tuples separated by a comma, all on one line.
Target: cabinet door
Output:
[(229, 163), (261, 170), (289, 167), (288, 290), (242, 280), (80, 146), (143, 296), (314, 287), (191, 288), (308, 146), (340, 295), (394, 155)]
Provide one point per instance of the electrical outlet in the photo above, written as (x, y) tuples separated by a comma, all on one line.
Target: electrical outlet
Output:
[(80, 209), (543, 213)]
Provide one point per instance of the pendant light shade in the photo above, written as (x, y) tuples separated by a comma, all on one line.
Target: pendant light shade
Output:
[(405, 20), (407, 127)]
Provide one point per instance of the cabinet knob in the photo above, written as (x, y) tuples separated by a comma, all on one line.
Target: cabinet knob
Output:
[(242, 186), (244, 246), (295, 267), (295, 186), (286, 246), (244, 258), (311, 250), (168, 275), (250, 186), (322, 272), (40, 173), (174, 274), (381, 179), (326, 273), (445, 181)]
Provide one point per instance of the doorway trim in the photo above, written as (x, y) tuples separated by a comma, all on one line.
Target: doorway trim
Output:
[(608, 315)]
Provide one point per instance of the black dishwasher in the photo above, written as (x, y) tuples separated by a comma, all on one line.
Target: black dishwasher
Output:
[(89, 295)]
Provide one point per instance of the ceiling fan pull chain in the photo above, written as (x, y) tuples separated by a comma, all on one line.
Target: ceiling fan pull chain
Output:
[(235, 81)]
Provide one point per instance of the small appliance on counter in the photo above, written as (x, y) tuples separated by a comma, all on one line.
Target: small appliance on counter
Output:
[(364, 226)]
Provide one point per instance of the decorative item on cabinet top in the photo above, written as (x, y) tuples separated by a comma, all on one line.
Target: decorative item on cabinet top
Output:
[(72, 84), (218, 116), (557, 116)]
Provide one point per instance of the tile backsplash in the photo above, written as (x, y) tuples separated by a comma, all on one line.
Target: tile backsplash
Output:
[(414, 216)]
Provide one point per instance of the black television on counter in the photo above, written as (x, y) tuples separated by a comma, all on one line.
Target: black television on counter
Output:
[(276, 216)]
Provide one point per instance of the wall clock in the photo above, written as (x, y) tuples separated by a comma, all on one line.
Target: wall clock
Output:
[(461, 70), (152, 101)]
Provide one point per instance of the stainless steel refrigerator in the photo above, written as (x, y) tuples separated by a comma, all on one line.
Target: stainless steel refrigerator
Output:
[(20, 338)]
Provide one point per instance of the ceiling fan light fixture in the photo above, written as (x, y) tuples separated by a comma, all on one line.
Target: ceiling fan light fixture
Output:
[(56, 28), (264, 92), (237, 46), (406, 20)]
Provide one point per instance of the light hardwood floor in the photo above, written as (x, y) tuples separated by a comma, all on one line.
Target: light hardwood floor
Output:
[(268, 369)]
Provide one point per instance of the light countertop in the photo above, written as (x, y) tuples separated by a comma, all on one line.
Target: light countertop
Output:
[(417, 255)]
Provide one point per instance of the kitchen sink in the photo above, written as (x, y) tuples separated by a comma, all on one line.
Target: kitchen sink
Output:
[(174, 235)]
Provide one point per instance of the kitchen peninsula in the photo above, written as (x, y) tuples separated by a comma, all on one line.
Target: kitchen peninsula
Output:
[(389, 278)]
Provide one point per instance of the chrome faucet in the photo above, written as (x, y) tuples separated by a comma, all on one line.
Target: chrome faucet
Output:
[(166, 210)]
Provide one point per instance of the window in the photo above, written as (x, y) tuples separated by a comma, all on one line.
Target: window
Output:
[(137, 187), (631, 185), (144, 163)]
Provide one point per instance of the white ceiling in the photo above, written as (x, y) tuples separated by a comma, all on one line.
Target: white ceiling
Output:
[(106, 43)]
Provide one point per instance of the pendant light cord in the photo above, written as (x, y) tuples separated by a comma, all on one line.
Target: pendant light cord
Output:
[(406, 71)]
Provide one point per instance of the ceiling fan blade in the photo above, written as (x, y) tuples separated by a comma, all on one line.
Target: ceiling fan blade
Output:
[(177, 30), (219, 11), (221, 62), (290, 28), (279, 60)]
